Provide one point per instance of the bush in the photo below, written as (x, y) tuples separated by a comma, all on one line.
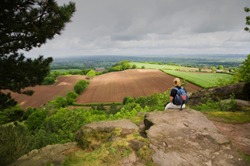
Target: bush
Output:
[(244, 71), (48, 81), (36, 119), (80, 86), (59, 102), (16, 141), (27, 113), (11, 114), (125, 100), (130, 100), (71, 96), (91, 74)]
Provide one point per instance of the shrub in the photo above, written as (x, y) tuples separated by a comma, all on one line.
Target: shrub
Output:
[(11, 114), (36, 119), (125, 100), (244, 71), (59, 102), (130, 100), (16, 141), (27, 113), (91, 74), (80, 86), (71, 96), (48, 81)]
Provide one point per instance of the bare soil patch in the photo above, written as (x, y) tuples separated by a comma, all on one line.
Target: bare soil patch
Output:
[(45, 93), (113, 87), (239, 134)]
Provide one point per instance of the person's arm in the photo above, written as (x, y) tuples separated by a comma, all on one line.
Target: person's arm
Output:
[(171, 98)]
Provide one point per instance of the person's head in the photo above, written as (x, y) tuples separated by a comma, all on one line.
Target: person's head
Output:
[(177, 82)]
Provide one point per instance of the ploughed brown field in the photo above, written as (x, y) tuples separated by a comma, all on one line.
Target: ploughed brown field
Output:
[(45, 93), (113, 87)]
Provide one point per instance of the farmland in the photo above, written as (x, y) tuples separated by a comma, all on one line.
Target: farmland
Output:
[(154, 66), (64, 70), (113, 87), (45, 93), (202, 79)]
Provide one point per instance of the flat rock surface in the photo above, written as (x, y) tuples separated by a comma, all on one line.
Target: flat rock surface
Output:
[(188, 138), (50, 153), (239, 134)]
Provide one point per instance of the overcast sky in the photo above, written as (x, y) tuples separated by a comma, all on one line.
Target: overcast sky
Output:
[(151, 27)]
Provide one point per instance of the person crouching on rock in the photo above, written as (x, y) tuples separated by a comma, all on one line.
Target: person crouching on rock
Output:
[(173, 94)]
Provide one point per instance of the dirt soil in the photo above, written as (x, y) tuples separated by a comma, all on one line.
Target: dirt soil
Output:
[(45, 93), (113, 87), (239, 134)]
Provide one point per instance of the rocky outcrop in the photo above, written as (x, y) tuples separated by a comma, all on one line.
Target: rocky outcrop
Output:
[(173, 137), (188, 138), (95, 133), (49, 154), (240, 90)]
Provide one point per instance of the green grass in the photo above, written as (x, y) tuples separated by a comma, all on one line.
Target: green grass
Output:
[(229, 117), (95, 104), (64, 70), (155, 66), (200, 79)]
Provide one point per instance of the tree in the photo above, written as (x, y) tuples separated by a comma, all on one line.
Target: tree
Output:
[(220, 67), (71, 96), (59, 102), (91, 74), (213, 68), (24, 25), (244, 71), (247, 19), (80, 86), (134, 66), (48, 81)]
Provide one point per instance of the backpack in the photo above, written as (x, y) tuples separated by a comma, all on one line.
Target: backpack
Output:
[(181, 97)]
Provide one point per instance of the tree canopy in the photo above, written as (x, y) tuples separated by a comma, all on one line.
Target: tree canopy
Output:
[(247, 19), (25, 24)]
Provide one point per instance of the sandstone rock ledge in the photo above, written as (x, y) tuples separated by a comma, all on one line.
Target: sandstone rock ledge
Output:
[(50, 153), (188, 138)]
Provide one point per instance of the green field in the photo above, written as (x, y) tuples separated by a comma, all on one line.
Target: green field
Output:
[(64, 70), (203, 80), (155, 66)]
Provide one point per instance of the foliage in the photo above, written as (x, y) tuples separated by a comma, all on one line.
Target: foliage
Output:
[(91, 74), (80, 86), (213, 68), (11, 114), (15, 142), (27, 113), (244, 72), (246, 9), (220, 67), (134, 66), (71, 96), (6, 101), (143, 67), (225, 81), (218, 105), (100, 107), (59, 102), (24, 25), (48, 81), (130, 100), (36, 119)]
